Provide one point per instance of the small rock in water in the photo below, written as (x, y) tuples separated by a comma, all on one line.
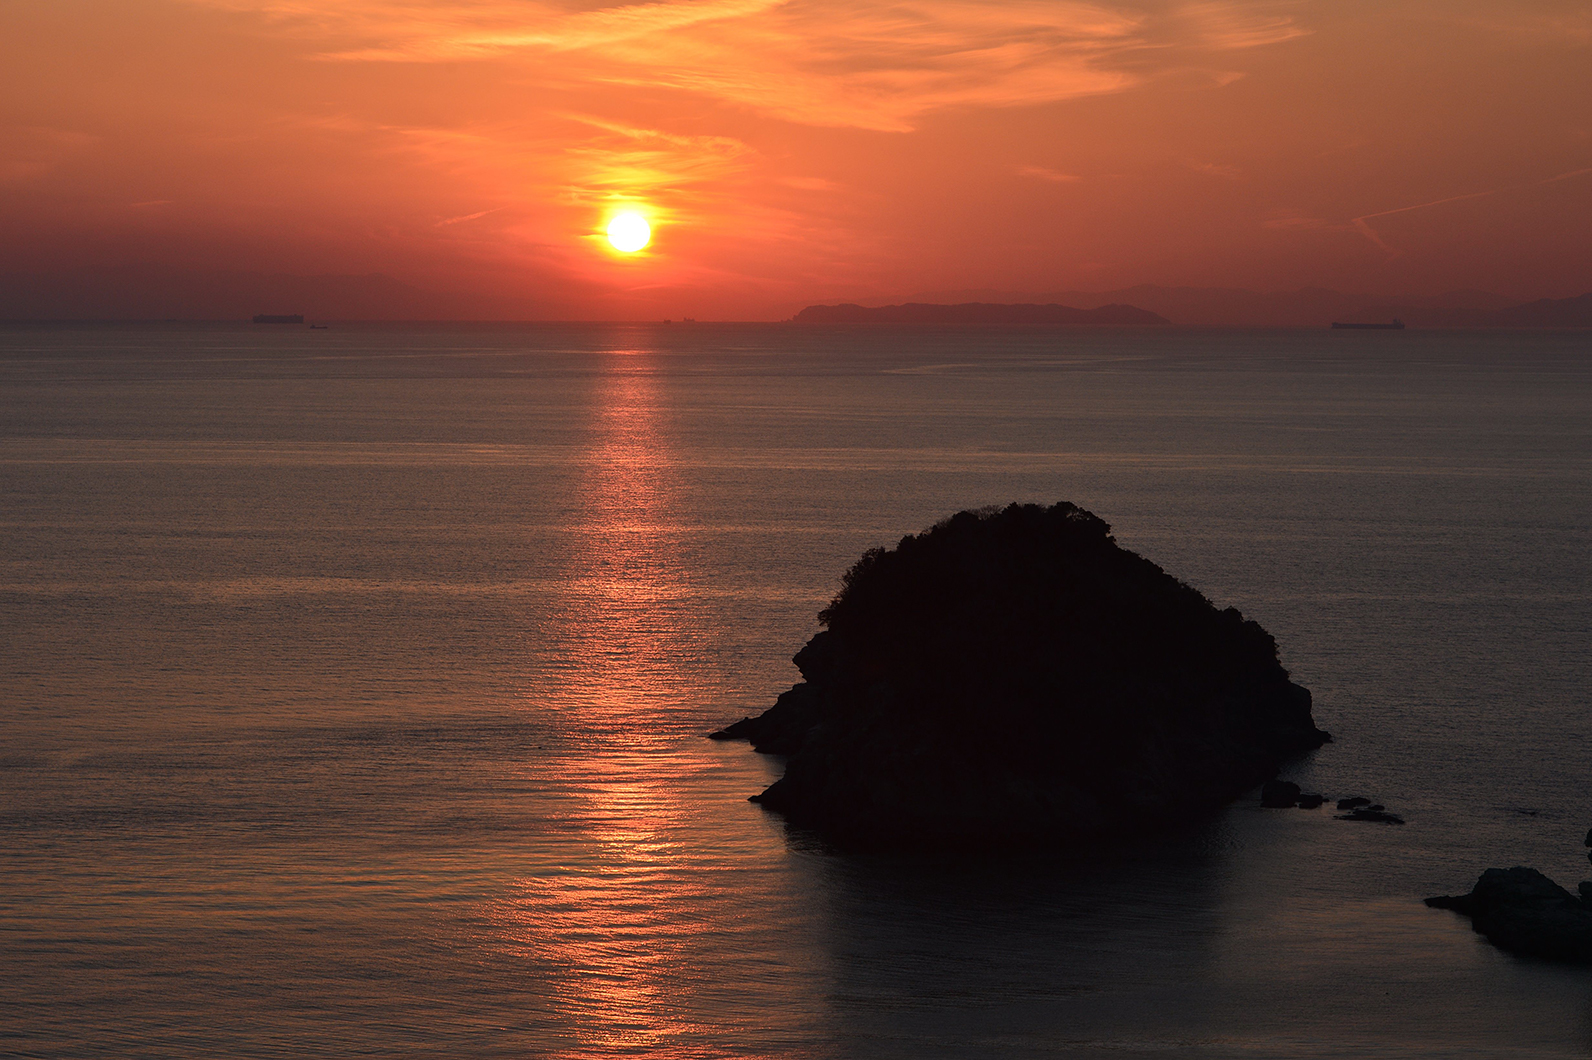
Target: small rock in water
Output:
[(1311, 801), (1279, 794), (1376, 814), (1353, 803), (1589, 837)]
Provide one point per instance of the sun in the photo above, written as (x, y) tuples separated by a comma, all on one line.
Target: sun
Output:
[(629, 232)]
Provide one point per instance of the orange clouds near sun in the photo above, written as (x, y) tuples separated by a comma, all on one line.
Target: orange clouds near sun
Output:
[(801, 151)]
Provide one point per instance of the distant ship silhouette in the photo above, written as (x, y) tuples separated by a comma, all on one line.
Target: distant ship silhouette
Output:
[(1397, 325)]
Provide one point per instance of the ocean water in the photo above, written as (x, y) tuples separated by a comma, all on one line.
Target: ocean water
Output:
[(353, 687)]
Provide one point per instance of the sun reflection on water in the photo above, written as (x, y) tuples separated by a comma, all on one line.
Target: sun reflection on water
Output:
[(627, 926)]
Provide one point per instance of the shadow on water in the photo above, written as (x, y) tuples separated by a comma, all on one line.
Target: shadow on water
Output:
[(1225, 941), (1021, 955)]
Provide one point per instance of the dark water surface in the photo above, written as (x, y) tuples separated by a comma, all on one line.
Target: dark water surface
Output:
[(354, 685)]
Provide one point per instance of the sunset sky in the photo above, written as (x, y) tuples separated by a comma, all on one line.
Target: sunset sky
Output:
[(796, 151)]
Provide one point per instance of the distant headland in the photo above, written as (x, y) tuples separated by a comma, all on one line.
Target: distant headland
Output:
[(1108, 316), (1014, 678), (1148, 305), (150, 292), (1309, 307)]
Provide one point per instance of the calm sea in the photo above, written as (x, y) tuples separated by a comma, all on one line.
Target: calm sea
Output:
[(353, 686)]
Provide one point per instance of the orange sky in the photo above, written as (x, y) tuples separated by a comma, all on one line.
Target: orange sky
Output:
[(805, 150)]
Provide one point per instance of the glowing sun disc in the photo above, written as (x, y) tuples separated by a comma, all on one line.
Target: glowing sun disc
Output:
[(629, 232)]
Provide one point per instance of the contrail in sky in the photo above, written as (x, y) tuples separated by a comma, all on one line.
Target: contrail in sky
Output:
[(1370, 233), (467, 217)]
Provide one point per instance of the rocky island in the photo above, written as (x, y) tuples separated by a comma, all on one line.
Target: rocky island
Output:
[(1524, 912), (1013, 677)]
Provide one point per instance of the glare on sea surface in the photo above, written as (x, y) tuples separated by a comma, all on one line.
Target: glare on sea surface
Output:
[(629, 232)]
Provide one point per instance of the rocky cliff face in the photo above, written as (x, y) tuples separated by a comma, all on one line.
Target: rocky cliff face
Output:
[(1014, 677)]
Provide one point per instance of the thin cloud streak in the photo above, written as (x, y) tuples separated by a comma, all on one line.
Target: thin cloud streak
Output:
[(468, 217), (627, 163), (1360, 223), (1229, 25), (1545, 23), (840, 63), (1052, 175)]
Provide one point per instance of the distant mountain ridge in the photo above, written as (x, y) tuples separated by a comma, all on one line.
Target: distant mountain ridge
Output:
[(156, 292), (1548, 313), (982, 313), (1233, 307)]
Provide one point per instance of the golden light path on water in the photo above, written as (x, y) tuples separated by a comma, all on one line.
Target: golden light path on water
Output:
[(637, 923)]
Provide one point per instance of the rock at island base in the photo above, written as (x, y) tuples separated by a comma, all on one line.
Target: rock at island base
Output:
[(1373, 813), (1285, 794), (1013, 677), (1524, 912)]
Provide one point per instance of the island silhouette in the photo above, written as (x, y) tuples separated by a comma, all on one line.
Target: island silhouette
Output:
[(1013, 677), (1219, 307), (984, 313), (1521, 910)]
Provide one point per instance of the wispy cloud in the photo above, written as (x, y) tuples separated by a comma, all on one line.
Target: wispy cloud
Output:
[(619, 161), (467, 217), (809, 183), (1052, 175), (28, 152), (1554, 23), (817, 62), (1230, 24), (1217, 169)]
